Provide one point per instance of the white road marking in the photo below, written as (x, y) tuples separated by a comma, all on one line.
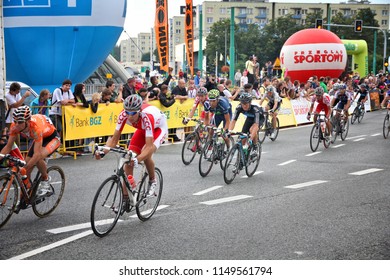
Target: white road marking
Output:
[(376, 134), (52, 246), (208, 190), (359, 139), (287, 162), (78, 227), (256, 173), (313, 154), (148, 211), (337, 146), (354, 137), (307, 184), (226, 199), (366, 171)]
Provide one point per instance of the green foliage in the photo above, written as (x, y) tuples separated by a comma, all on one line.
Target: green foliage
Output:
[(266, 42)]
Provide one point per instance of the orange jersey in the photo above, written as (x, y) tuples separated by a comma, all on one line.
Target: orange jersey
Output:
[(39, 127)]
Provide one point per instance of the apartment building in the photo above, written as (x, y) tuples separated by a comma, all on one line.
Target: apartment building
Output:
[(261, 12), (132, 49)]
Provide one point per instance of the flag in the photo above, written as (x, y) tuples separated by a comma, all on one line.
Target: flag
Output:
[(220, 57), (161, 30), (228, 60), (189, 38)]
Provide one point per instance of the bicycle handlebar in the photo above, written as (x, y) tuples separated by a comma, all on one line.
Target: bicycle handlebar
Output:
[(117, 150), (15, 160)]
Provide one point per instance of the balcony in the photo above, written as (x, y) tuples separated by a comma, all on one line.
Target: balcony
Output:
[(297, 16), (241, 16), (261, 16)]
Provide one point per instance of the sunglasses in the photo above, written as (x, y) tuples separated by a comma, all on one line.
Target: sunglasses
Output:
[(131, 113)]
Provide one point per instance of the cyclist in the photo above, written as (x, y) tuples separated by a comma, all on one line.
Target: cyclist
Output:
[(334, 89), (201, 98), (152, 128), (222, 110), (254, 116), (344, 101), (323, 101), (46, 140), (273, 106), (386, 99), (363, 91)]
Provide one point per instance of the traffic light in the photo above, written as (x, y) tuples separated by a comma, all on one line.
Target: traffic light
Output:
[(358, 25), (319, 24)]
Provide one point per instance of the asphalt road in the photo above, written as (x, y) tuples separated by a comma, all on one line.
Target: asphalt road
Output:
[(300, 205)]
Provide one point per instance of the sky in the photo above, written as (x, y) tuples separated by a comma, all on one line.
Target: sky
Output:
[(140, 13)]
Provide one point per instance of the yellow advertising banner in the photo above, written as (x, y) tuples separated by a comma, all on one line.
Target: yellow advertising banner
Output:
[(189, 36), (286, 113), (161, 30), (83, 123)]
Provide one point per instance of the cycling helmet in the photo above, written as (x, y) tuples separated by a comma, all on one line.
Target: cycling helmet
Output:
[(336, 86), (202, 91), (319, 91), (213, 94), (343, 86), (245, 97), (133, 103), (270, 89), (22, 114)]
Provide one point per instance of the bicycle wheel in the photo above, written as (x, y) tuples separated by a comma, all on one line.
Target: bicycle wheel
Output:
[(232, 165), (361, 114), (253, 160), (263, 131), (315, 137), (206, 159), (327, 140), (344, 129), (225, 152), (386, 126), (190, 148), (43, 206), (147, 205), (8, 198), (106, 206), (355, 115)]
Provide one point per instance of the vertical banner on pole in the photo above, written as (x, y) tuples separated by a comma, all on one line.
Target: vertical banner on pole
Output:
[(161, 30), (189, 37)]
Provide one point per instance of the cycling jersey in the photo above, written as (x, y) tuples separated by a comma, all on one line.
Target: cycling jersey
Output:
[(223, 107), (323, 103), (151, 123), (343, 97), (253, 115), (206, 103), (39, 127)]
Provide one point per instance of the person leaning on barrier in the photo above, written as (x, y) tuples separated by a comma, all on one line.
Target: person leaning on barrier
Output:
[(61, 97), (115, 96), (79, 97), (167, 100), (41, 104)]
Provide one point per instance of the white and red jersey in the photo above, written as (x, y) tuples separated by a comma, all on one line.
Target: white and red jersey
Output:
[(325, 99), (150, 119)]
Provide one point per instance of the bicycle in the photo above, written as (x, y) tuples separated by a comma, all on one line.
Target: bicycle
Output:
[(109, 204), (214, 151), (15, 196), (386, 124), (237, 158), (318, 133), (194, 142), (358, 113), (340, 125), (267, 128)]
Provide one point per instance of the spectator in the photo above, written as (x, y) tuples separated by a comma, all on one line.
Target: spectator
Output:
[(79, 97), (41, 104), (143, 92), (147, 74), (244, 79), (270, 69), (62, 96), (223, 91), (250, 68), (129, 88), (237, 78), (155, 84), (211, 83), (115, 96), (191, 90), (95, 100), (106, 96), (167, 100), (14, 100), (197, 79), (180, 93)]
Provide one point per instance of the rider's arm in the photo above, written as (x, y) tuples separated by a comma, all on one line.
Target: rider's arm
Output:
[(8, 147), (227, 119), (232, 125), (207, 118), (113, 140)]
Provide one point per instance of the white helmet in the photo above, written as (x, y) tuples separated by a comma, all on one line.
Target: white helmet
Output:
[(133, 103)]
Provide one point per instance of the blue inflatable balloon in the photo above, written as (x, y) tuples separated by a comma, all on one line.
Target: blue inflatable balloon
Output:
[(47, 41)]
